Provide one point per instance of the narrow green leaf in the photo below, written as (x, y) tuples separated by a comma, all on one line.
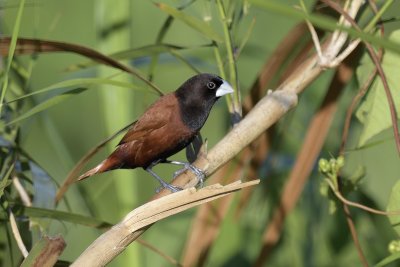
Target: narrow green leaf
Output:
[(28, 46), (74, 173), (47, 104), (374, 112), (389, 259), (246, 37), (4, 182), (64, 216), (148, 50), (191, 21), (185, 61), (45, 252), (79, 83), (11, 51)]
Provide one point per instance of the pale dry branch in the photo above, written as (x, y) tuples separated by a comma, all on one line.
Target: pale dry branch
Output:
[(113, 242), (17, 235), (21, 191), (327, 59)]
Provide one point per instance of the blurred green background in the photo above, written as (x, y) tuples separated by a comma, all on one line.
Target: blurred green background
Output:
[(58, 137)]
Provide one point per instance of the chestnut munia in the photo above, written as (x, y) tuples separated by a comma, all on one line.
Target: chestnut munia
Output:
[(166, 127)]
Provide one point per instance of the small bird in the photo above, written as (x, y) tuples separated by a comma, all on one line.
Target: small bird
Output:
[(166, 127)]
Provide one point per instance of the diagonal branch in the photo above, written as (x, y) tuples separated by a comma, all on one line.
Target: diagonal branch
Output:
[(101, 253)]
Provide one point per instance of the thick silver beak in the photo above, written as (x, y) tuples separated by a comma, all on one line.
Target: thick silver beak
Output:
[(224, 89)]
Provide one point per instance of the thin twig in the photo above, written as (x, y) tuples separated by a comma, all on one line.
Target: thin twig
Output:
[(345, 53), (354, 235), (159, 252), (363, 90), (389, 96), (314, 37), (339, 195)]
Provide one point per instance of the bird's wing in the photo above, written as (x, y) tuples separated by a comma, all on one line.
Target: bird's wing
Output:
[(156, 117)]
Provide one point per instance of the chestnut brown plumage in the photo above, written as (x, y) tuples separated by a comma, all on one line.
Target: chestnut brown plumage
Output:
[(166, 127)]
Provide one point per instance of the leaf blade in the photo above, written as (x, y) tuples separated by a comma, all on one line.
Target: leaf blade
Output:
[(46, 104), (77, 83), (193, 22), (64, 216), (11, 51)]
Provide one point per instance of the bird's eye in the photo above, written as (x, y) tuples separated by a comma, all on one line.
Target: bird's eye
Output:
[(211, 85)]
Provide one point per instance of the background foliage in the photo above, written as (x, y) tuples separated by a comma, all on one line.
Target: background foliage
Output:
[(91, 102)]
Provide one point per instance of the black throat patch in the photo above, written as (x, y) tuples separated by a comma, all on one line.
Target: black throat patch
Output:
[(194, 117), (196, 98)]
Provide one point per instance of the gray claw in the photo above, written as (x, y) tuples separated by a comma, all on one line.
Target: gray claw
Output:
[(170, 187), (198, 172)]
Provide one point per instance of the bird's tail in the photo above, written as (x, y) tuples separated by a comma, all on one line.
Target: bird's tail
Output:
[(108, 164)]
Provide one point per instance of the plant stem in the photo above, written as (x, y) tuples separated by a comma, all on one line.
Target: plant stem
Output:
[(233, 79)]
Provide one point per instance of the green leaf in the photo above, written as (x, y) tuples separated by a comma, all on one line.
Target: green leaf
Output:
[(185, 61), (47, 104), (374, 112), (148, 50), (45, 252), (78, 83), (394, 205), (246, 36), (64, 216), (191, 21), (11, 51), (389, 259), (4, 182)]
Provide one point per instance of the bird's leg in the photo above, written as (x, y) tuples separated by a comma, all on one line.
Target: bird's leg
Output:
[(187, 166), (164, 184)]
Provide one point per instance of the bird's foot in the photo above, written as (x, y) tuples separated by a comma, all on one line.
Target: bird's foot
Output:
[(200, 175), (168, 186), (164, 184)]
